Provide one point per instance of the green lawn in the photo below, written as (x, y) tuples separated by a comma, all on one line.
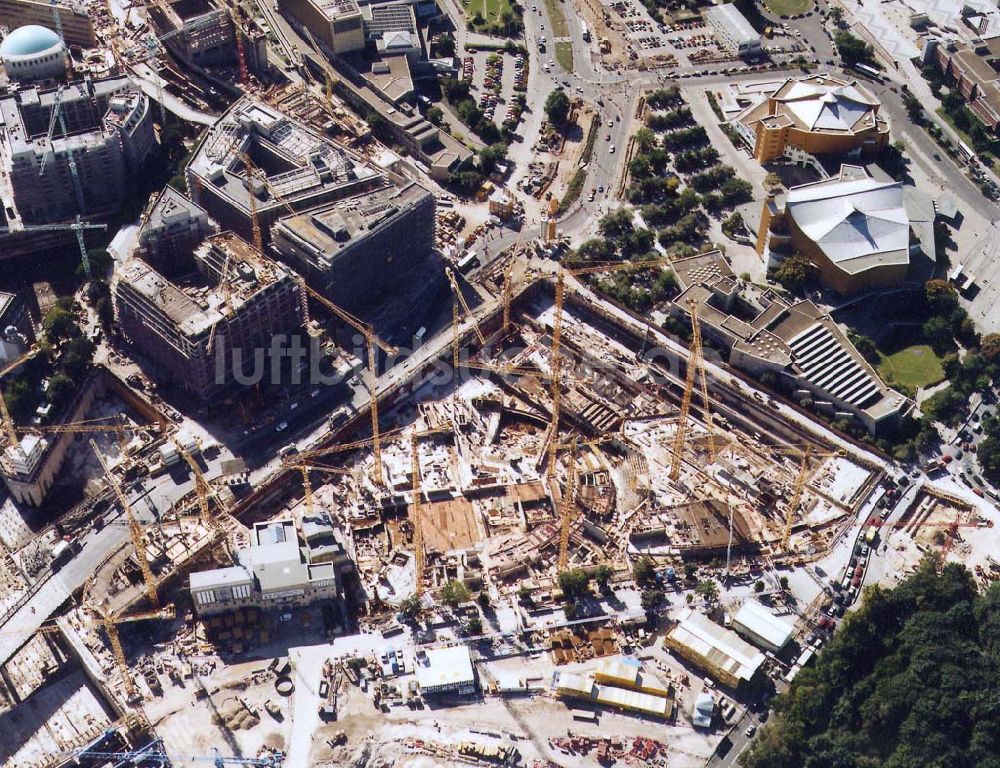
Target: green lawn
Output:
[(557, 19), (788, 7), (564, 55), (490, 10), (914, 366)]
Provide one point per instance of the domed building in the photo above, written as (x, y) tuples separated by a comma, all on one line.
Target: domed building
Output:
[(33, 52)]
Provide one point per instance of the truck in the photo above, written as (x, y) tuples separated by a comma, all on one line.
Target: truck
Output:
[(586, 32)]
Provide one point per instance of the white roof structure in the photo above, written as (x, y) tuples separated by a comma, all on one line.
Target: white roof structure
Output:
[(858, 223), (827, 107), (730, 15), (446, 667), (757, 623), (720, 647), (704, 708)]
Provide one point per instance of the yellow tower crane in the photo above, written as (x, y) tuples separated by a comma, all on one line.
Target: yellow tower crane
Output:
[(373, 343), (465, 305), (110, 625), (201, 487), (419, 553), (8, 422), (557, 322), (367, 331), (801, 480), (135, 530), (568, 509), (695, 366)]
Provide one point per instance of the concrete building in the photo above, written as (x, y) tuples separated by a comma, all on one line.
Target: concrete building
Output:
[(336, 24), (200, 33), (966, 47), (732, 29), (759, 626), (171, 231), (173, 323), (720, 652), (301, 166), (33, 53), (77, 24), (352, 250), (278, 571), (793, 347), (815, 115), (109, 133), (861, 229), (445, 670)]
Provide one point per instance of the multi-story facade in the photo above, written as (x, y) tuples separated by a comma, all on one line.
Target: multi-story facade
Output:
[(177, 324), (354, 250), (814, 115), (109, 134), (733, 30), (335, 24), (77, 24), (200, 33), (283, 567), (169, 234)]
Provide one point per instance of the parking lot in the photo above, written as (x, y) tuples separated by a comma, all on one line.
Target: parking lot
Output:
[(496, 77)]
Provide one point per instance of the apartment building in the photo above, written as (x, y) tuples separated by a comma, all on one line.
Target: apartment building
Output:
[(196, 329), (109, 134)]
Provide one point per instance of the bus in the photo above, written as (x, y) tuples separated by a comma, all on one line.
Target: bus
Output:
[(868, 71), (966, 150)]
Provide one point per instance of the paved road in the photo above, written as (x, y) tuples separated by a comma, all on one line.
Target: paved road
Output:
[(58, 588)]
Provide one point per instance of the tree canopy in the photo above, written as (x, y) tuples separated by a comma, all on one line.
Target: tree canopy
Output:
[(557, 108), (910, 679)]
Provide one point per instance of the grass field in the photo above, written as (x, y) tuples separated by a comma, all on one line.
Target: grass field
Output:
[(557, 18), (564, 55), (914, 366), (490, 10), (788, 7)]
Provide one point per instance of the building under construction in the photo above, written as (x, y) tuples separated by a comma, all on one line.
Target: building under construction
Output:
[(77, 24), (199, 32), (226, 309), (102, 136)]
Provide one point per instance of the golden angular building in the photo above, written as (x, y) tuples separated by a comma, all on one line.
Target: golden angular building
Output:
[(816, 115)]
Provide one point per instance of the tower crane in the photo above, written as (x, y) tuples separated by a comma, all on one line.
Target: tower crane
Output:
[(8, 422), (156, 754), (372, 343), (419, 553), (110, 625), (77, 227), (135, 530), (465, 305), (557, 322), (201, 488), (801, 480), (567, 507), (695, 365), (152, 45)]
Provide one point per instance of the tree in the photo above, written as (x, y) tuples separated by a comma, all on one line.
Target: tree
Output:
[(574, 583), (941, 297), (865, 346), (59, 324), (491, 155), (690, 571), (645, 140), (410, 607), (434, 115), (794, 272), (652, 599), (772, 180), (759, 586), (783, 582), (454, 592), (557, 108), (483, 598), (466, 182), (937, 331), (603, 576), (524, 593), (708, 589), (75, 357), (445, 45), (990, 347), (852, 49), (61, 390), (474, 626), (644, 571), (616, 225)]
